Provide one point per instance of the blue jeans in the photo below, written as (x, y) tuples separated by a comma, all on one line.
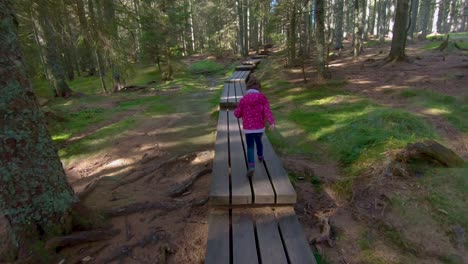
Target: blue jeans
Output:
[(251, 139)]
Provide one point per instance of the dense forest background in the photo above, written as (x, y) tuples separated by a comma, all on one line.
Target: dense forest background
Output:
[(63, 39)]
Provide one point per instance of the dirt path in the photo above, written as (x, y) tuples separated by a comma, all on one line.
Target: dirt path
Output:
[(139, 174)]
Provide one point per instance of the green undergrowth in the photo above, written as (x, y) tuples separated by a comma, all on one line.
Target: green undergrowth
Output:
[(206, 67), (353, 129), (453, 109), (85, 126), (446, 193), (97, 141)]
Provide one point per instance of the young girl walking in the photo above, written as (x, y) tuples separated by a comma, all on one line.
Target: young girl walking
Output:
[(254, 109)]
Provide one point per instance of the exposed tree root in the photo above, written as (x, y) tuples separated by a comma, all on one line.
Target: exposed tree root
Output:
[(183, 187), (142, 207), (79, 238), (325, 234), (126, 251)]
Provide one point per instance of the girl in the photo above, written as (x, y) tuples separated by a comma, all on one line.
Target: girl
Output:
[(254, 109)]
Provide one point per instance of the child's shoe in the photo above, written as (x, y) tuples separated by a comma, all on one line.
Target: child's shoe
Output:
[(250, 172), (260, 159)]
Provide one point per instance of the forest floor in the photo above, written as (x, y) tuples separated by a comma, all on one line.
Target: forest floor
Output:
[(144, 158)]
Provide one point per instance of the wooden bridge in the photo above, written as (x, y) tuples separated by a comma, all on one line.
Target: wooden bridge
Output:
[(251, 220)]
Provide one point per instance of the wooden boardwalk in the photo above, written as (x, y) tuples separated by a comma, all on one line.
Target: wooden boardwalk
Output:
[(231, 94), (252, 220)]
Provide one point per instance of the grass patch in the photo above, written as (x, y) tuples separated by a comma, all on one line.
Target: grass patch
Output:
[(394, 236), (76, 122), (372, 43), (319, 259), (96, 141), (447, 191), (206, 67), (357, 131), (455, 110)]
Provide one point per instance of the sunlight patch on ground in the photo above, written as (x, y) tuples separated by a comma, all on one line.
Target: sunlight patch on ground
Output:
[(436, 111), (64, 136), (119, 162), (295, 71), (358, 81), (390, 87), (333, 100)]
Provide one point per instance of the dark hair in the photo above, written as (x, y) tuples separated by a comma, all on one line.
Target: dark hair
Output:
[(253, 83)]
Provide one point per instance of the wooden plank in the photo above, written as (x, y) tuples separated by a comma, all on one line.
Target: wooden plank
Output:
[(245, 75), (294, 239), (244, 248), (217, 246), (219, 192), (259, 56), (284, 190), (245, 68), (243, 88), (224, 101), (251, 62), (232, 95), (238, 91), (269, 240), (262, 189), (240, 185)]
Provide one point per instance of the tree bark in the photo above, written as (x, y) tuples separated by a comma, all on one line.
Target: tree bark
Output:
[(339, 24), (35, 196), (397, 51), (52, 55), (425, 15), (320, 40), (292, 35), (383, 20), (414, 16)]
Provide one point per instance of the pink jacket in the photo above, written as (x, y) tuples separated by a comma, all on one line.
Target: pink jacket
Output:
[(254, 109)]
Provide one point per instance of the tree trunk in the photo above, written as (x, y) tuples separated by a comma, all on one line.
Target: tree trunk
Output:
[(35, 197), (53, 59), (397, 51), (245, 15), (292, 35), (320, 40), (425, 15), (372, 21), (94, 25), (364, 19), (80, 11), (240, 24), (414, 16), (192, 34), (383, 20), (358, 27)]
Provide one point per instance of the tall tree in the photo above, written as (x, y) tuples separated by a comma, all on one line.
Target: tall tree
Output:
[(383, 20), (397, 51), (339, 24), (52, 54), (320, 40), (35, 197), (425, 17), (414, 16)]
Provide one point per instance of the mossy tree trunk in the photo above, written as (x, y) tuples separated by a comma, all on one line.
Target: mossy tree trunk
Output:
[(52, 55), (35, 197)]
